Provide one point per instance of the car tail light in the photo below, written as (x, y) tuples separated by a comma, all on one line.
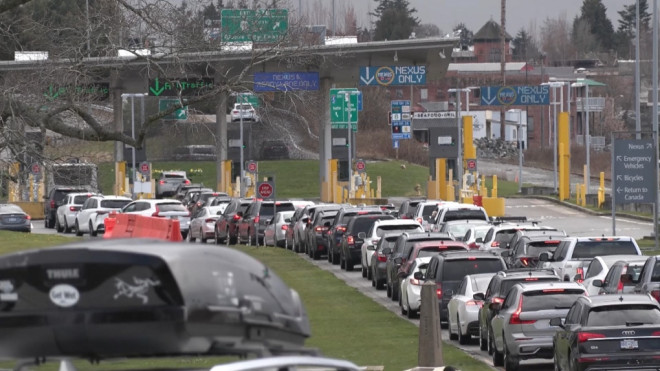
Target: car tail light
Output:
[(531, 279), (285, 227), (470, 303), (515, 317), (438, 290), (209, 220), (157, 212), (236, 217), (350, 240), (382, 258), (495, 244), (161, 182), (580, 272), (585, 336), (27, 217), (473, 245), (553, 290), (73, 208), (656, 294), (524, 261), (497, 300), (186, 182), (419, 220), (234, 112), (655, 333), (341, 228), (256, 219), (52, 204), (319, 229), (416, 282)]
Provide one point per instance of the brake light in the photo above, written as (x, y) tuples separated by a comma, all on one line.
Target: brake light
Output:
[(209, 220), (656, 295), (162, 182), (586, 336), (285, 227), (580, 272), (27, 217), (319, 229), (515, 317), (363, 212), (52, 204), (655, 333), (472, 258), (553, 242), (473, 245), (495, 244), (419, 220), (350, 240), (186, 181), (497, 300), (256, 219), (382, 258), (236, 217), (524, 261), (157, 212), (531, 279), (438, 290), (73, 208), (473, 303), (553, 290), (416, 282), (341, 228), (234, 112)]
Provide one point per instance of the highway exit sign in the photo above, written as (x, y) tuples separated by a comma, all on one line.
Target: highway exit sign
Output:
[(259, 26), (339, 108), (179, 114)]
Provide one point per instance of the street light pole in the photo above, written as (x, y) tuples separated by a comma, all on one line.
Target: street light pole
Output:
[(242, 157)]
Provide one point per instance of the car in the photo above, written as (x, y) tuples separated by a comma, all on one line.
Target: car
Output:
[(424, 215), (458, 228), (203, 199), (374, 234), (274, 150), (295, 233), (600, 266), (608, 332), (191, 195), (202, 224), (474, 236), (98, 289), (622, 277), (402, 249), (244, 111), (503, 233), (308, 242), (54, 199), (422, 249), (13, 218), (572, 257), (525, 253), (93, 212), (316, 231), (289, 362), (353, 237), (253, 223), (226, 228), (379, 259), (161, 208), (65, 217), (447, 270), (525, 314), (217, 200), (498, 288), (411, 287), (447, 212), (463, 308), (407, 208), (336, 231), (183, 188), (195, 152), (169, 183), (649, 278), (276, 228)]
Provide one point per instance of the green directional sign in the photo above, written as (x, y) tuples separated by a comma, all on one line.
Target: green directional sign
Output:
[(248, 98), (161, 87), (260, 26), (339, 108), (95, 91), (180, 114)]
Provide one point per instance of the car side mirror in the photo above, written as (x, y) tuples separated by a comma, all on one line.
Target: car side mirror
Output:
[(362, 235), (479, 296), (398, 260), (287, 220), (495, 306), (597, 283), (557, 322), (387, 251), (418, 276), (544, 257)]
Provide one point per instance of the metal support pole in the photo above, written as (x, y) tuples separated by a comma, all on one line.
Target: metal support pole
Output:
[(133, 136), (638, 122), (613, 190), (587, 142), (655, 107), (554, 135), (459, 122), (520, 156), (347, 100), (241, 138)]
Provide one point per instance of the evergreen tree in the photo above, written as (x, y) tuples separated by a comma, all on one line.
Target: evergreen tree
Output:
[(524, 47), (627, 20), (594, 13), (395, 20)]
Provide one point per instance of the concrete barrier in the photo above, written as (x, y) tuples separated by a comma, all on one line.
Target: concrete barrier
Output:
[(138, 226)]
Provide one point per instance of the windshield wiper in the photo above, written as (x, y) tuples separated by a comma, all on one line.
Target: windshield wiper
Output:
[(636, 323)]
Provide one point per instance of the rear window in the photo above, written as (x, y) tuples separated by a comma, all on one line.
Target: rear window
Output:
[(269, 209), (427, 211), (10, 209), (464, 215), (620, 315), (508, 284), (171, 207), (380, 231), (537, 247), (455, 270), (347, 216), (592, 248), (430, 251), (115, 204), (504, 236), (173, 176), (79, 200), (550, 299), (364, 224)]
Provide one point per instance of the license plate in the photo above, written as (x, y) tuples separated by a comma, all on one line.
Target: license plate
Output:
[(12, 220), (629, 344)]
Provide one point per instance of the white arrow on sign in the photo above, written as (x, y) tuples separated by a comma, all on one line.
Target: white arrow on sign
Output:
[(619, 158), (181, 114), (619, 177), (618, 190), (487, 98), (368, 79), (649, 145)]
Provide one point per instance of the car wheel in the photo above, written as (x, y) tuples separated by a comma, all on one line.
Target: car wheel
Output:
[(202, 237), (217, 238), (190, 237), (66, 228), (411, 313), (335, 259), (78, 231), (364, 271), (483, 344), (92, 231), (403, 310), (50, 223), (379, 284), (452, 336), (389, 289), (510, 363), (498, 358), (329, 257), (369, 274), (58, 227), (348, 264), (316, 255), (342, 261), (395, 292), (462, 339)]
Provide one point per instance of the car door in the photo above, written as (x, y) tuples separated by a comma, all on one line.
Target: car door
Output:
[(497, 323), (454, 304), (83, 216), (562, 338)]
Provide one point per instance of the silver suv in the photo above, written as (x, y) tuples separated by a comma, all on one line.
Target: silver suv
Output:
[(525, 314)]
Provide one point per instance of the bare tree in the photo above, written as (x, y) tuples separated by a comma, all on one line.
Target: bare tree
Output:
[(556, 40)]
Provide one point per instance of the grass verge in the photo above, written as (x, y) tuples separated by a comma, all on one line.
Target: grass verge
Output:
[(345, 323)]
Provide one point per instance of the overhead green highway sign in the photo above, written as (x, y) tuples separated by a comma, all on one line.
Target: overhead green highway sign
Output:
[(179, 114), (160, 87), (94, 91), (259, 26)]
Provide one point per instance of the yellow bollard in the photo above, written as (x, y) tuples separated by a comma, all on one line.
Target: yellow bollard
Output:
[(378, 183), (583, 194), (577, 193), (440, 178), (601, 191), (493, 193)]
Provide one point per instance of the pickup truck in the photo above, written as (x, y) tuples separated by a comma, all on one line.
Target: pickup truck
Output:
[(574, 254), (649, 278)]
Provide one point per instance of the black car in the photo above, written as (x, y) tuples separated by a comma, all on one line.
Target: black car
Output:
[(121, 298), (338, 227), (13, 218), (498, 288), (311, 240), (351, 243), (274, 150), (407, 208), (316, 231), (253, 223), (609, 332), (226, 228), (447, 270), (379, 259), (402, 249), (54, 199)]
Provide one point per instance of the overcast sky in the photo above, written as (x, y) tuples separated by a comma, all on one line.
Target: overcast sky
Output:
[(474, 13)]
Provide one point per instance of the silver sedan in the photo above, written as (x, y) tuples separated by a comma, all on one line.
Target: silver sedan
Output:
[(463, 308), (202, 224), (275, 232)]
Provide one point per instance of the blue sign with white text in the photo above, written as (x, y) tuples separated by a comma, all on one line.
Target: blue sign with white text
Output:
[(401, 117), (515, 95), (393, 75), (286, 81)]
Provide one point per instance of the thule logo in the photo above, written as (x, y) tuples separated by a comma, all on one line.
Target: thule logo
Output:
[(628, 333), (63, 274)]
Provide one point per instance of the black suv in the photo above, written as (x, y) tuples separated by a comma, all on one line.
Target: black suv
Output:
[(351, 244), (497, 290), (338, 227), (402, 249), (256, 217), (447, 269), (525, 253), (226, 227), (54, 199)]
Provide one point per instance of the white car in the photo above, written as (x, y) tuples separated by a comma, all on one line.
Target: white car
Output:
[(599, 267), (276, 227), (95, 210), (65, 216), (244, 110), (463, 308), (164, 208), (202, 224), (410, 299), (474, 237), (380, 228), (426, 211)]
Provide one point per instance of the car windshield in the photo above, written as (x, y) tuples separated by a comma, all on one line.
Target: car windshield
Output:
[(550, 298), (363, 224), (619, 315), (456, 269), (171, 207), (80, 199), (243, 106), (592, 248), (114, 204)]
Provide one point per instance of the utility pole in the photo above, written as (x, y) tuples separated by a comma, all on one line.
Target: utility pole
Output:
[(503, 65)]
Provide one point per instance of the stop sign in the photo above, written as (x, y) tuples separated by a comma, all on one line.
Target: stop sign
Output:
[(265, 190), (471, 164), (252, 167), (360, 165), (35, 169)]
